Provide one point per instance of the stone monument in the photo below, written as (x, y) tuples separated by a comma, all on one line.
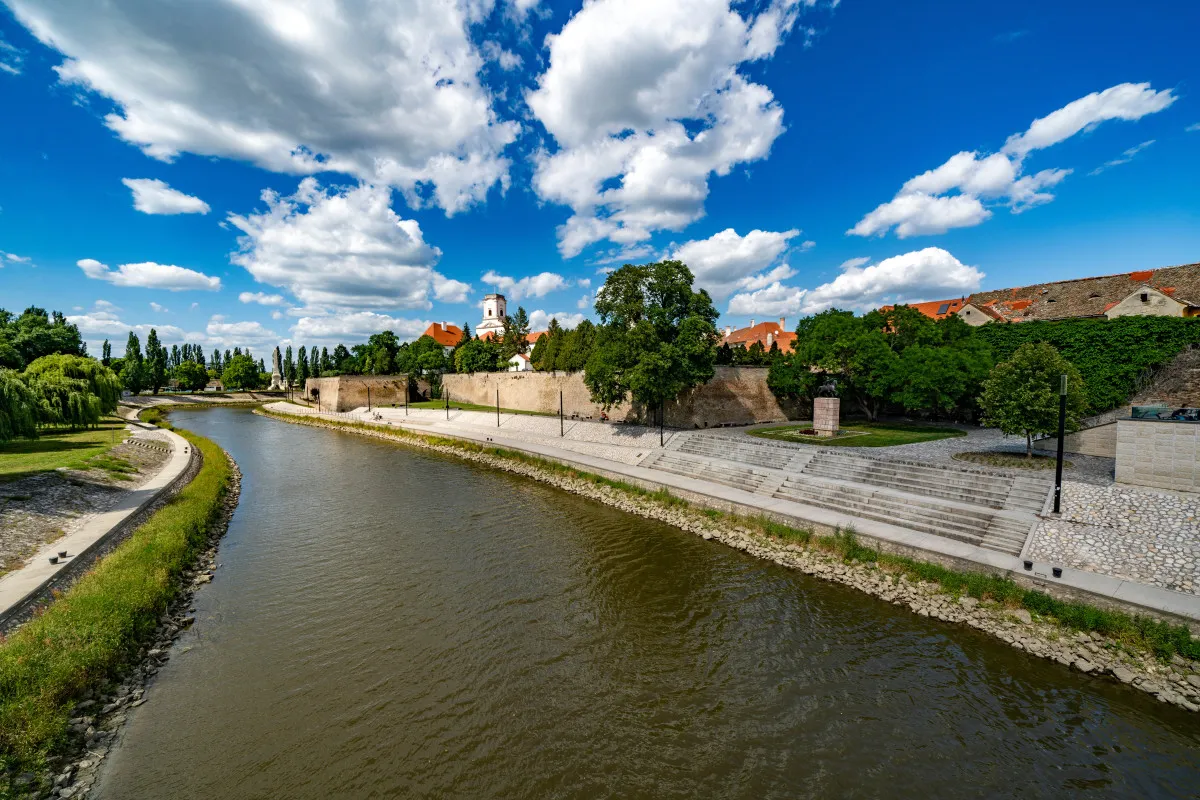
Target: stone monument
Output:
[(827, 410), (276, 371)]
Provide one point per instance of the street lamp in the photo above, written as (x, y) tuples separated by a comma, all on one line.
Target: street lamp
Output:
[(1062, 431)]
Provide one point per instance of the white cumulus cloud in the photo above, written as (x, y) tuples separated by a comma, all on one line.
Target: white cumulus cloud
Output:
[(384, 90), (149, 275), (540, 320), (954, 194), (351, 329), (342, 247), (538, 285), (725, 261), (928, 274), (156, 197), (263, 299), (644, 101)]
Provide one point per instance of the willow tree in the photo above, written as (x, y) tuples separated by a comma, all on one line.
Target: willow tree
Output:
[(100, 380), (17, 416)]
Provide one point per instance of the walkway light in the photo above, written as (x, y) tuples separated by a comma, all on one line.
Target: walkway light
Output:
[(1062, 432)]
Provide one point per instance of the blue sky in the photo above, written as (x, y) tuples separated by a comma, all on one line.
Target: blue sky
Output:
[(253, 172)]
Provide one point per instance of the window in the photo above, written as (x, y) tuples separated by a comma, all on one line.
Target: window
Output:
[(1145, 297), (489, 312), (943, 308)]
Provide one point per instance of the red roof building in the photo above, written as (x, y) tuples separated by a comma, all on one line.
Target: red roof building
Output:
[(767, 333), (935, 309), (444, 333)]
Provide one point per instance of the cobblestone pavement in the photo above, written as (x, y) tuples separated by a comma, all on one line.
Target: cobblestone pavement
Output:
[(1086, 469), (1146, 536), (42, 508)]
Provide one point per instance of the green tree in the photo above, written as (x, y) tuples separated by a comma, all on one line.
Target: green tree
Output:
[(314, 362), (477, 355), (100, 381), (301, 367), (326, 361), (191, 376), (17, 407), (156, 363), (342, 360), (1021, 396), (516, 335), (215, 362), (657, 336), (133, 371), (289, 366), (35, 334), (105, 353), (576, 348), (241, 373), (545, 349), (380, 356)]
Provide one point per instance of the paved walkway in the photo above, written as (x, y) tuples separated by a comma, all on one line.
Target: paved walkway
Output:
[(589, 446), (17, 586)]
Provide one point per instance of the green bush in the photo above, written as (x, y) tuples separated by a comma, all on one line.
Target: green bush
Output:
[(1113, 356)]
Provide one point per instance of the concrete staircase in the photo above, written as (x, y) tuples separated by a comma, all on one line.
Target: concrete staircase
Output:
[(748, 452), (987, 509), (978, 488), (735, 475)]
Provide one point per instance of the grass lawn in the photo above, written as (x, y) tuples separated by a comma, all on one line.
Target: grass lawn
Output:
[(1013, 460), (21, 458), (861, 434), (456, 404)]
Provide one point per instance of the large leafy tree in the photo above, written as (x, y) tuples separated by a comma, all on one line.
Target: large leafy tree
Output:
[(98, 380), (576, 348), (35, 334), (133, 368), (657, 336), (342, 360), (381, 355), (477, 355), (545, 350), (191, 376), (18, 415), (242, 373), (1021, 396)]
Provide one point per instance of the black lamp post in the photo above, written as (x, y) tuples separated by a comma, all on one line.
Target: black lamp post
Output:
[(1062, 431), (561, 430), (497, 407)]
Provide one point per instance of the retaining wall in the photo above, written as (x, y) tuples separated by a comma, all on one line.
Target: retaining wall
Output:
[(1159, 453), (734, 396)]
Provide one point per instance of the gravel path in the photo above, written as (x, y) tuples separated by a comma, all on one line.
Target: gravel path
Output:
[(42, 508), (1140, 534)]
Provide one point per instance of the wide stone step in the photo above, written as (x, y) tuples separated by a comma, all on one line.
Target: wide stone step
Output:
[(884, 476), (737, 478), (735, 452), (912, 472), (958, 533), (970, 496), (884, 495), (894, 511)]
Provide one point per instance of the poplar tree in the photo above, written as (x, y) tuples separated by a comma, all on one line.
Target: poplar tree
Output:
[(105, 353), (156, 362), (301, 367), (132, 368), (289, 366)]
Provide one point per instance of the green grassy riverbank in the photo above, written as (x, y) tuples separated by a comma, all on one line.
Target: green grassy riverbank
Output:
[(91, 633)]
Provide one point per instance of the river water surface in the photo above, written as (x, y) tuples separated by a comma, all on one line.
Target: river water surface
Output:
[(389, 623)]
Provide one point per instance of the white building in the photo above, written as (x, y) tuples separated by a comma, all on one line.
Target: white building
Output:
[(495, 308), (520, 363)]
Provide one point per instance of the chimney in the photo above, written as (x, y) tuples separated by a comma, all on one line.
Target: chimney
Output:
[(781, 325), (728, 330), (751, 322)]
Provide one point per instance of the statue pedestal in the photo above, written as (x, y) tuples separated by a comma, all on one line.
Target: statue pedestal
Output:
[(827, 414), (276, 382)]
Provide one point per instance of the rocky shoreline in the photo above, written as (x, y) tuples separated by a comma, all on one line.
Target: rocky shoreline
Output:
[(1176, 682), (98, 717)]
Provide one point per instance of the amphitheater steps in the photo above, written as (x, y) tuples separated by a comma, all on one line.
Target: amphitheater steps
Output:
[(1006, 535)]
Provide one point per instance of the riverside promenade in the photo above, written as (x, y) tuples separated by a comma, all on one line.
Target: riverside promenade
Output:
[(22, 588), (957, 516)]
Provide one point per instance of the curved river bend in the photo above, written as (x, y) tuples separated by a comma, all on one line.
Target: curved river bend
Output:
[(387, 623)]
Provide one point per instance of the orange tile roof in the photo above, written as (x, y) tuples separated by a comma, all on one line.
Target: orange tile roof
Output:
[(935, 309), (535, 335), (745, 337), (446, 335)]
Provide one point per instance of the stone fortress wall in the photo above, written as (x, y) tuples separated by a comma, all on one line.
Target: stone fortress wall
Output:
[(1159, 453), (348, 392), (734, 396)]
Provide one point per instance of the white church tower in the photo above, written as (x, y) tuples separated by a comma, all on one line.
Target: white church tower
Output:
[(494, 311)]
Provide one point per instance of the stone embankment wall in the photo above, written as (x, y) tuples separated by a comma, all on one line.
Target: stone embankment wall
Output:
[(1098, 441), (1159, 453), (348, 392), (734, 396)]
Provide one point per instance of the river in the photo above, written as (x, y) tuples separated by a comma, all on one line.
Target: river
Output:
[(390, 623)]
